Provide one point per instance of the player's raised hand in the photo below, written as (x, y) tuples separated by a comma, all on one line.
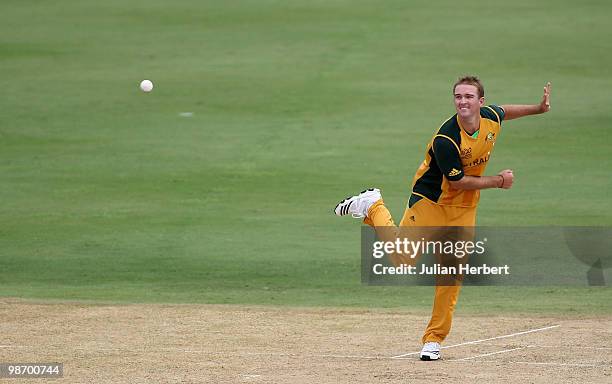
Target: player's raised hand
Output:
[(545, 103)]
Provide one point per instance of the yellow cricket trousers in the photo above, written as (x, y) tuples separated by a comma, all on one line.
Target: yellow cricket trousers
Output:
[(425, 213)]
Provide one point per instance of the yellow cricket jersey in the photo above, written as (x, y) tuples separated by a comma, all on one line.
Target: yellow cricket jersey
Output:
[(453, 153)]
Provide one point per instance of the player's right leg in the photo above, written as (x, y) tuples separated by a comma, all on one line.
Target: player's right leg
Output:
[(370, 206), (358, 205), (367, 205)]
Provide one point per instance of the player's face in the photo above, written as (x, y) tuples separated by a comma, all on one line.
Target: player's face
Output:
[(467, 102)]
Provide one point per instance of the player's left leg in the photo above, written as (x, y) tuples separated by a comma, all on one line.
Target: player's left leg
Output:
[(447, 292), (441, 321), (445, 300)]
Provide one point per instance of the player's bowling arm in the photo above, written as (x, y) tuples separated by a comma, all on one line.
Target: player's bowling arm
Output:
[(478, 182)]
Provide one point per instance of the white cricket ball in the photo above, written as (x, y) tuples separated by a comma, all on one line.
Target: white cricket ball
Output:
[(146, 85)]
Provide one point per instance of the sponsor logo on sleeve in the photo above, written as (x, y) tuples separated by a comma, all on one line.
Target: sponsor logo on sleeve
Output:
[(454, 172)]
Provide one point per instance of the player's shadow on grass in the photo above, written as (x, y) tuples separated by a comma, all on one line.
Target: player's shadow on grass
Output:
[(592, 246)]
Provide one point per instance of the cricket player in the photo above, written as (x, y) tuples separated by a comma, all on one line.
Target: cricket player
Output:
[(446, 187)]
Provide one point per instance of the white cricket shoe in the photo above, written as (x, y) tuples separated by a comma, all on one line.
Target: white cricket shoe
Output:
[(430, 351), (358, 205)]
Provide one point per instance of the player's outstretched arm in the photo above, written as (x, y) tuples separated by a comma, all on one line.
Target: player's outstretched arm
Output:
[(516, 111)]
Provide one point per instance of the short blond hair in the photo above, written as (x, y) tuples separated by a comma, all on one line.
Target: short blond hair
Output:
[(470, 80)]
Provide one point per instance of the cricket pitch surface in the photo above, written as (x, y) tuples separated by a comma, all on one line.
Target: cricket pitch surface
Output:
[(133, 343)]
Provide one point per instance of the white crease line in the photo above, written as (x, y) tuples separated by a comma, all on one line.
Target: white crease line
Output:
[(295, 355), (489, 354), (535, 363), (480, 341), (316, 355), (569, 347), (550, 346), (353, 357), (186, 350)]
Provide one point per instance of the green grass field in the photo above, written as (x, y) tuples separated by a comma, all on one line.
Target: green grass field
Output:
[(110, 194)]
